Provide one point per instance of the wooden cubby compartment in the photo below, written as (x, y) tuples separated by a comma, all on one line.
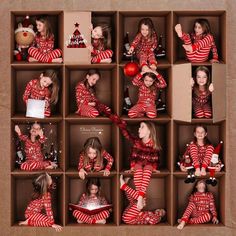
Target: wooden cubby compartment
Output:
[(22, 189), (75, 187), (183, 133), (55, 19), (181, 194), (124, 81), (158, 196), (217, 20), (163, 129), (128, 22), (106, 89), (78, 132), (110, 19), (53, 131), (21, 75)]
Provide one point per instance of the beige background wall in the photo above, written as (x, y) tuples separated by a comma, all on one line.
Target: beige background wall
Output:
[(118, 5)]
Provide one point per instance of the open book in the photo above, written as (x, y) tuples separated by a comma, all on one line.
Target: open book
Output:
[(91, 210)]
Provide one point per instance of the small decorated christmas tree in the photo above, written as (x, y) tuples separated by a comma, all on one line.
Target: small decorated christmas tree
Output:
[(77, 39)]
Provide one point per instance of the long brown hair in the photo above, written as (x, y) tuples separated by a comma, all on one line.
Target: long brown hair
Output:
[(153, 76), (45, 20), (153, 135), (40, 185), (85, 81), (147, 21), (206, 140), (207, 72), (94, 143), (106, 34), (54, 87), (195, 186), (204, 24), (93, 181)]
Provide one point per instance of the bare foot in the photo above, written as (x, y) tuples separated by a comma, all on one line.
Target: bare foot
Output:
[(197, 172), (140, 203), (178, 30), (23, 222), (101, 221), (31, 59), (181, 225), (58, 60), (122, 182), (80, 222), (179, 221), (203, 171), (108, 60)]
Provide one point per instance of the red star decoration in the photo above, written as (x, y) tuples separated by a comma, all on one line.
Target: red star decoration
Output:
[(76, 24)]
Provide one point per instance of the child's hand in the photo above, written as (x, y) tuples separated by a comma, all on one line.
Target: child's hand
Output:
[(215, 220), (17, 129), (106, 172), (93, 104), (214, 61), (82, 173), (211, 87), (54, 165), (89, 47), (192, 82), (182, 168), (58, 228), (178, 30), (91, 27), (187, 48), (40, 132), (156, 171), (131, 50)]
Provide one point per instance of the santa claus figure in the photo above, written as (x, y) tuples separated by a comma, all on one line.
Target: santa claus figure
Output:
[(215, 165), (186, 165)]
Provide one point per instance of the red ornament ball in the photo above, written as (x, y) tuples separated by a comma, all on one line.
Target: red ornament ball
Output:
[(131, 69)]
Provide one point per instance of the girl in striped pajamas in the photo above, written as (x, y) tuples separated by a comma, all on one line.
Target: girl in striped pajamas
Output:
[(148, 83), (144, 45), (198, 44), (201, 93), (43, 49), (92, 156), (33, 149), (144, 154), (46, 87), (133, 215), (92, 197), (201, 207), (201, 150), (41, 200), (88, 105), (101, 44)]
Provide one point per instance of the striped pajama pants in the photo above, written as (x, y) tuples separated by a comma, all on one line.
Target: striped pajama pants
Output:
[(202, 110), (197, 216), (33, 165), (102, 55), (142, 177), (38, 219), (44, 57), (145, 57), (141, 108), (90, 111), (132, 215), (90, 219), (195, 56)]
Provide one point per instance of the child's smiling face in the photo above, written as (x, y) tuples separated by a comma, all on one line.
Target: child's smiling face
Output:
[(144, 30)]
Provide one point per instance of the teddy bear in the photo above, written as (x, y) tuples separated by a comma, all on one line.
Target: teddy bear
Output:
[(24, 36)]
